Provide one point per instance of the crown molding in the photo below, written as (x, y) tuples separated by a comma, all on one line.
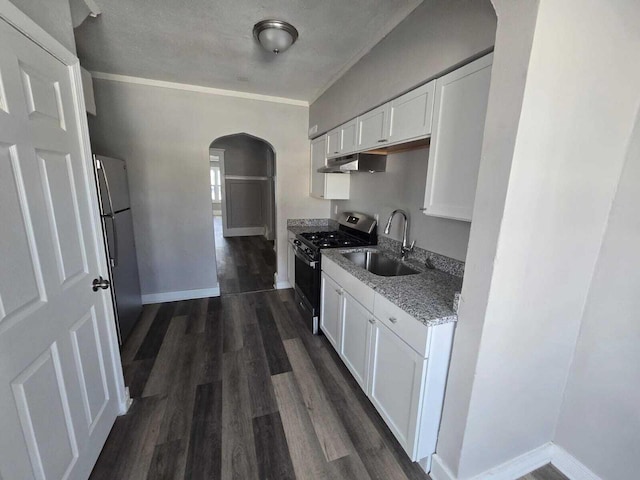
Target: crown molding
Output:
[(113, 77)]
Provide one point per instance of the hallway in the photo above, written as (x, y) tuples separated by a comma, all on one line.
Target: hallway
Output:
[(245, 264)]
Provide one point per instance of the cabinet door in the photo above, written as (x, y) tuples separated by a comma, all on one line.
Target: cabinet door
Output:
[(348, 137), (396, 375), (318, 160), (333, 143), (373, 128), (410, 115), (354, 339), (456, 141), (331, 309)]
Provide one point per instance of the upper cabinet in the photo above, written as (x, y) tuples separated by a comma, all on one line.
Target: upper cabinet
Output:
[(456, 141), (373, 128), (403, 119), (342, 140), (410, 115), (328, 186)]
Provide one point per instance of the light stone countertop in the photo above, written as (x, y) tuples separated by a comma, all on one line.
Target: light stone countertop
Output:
[(427, 296)]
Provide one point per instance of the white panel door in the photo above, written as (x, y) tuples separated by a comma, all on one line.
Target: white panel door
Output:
[(410, 114), (456, 140), (396, 374), (373, 128), (330, 309), (354, 340), (58, 396)]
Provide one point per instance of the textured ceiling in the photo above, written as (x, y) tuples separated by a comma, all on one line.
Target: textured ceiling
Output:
[(210, 43)]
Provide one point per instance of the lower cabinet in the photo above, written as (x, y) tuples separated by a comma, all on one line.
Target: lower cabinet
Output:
[(396, 373), (405, 386), (330, 309), (354, 338)]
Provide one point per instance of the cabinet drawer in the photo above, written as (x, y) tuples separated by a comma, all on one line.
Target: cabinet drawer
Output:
[(413, 332), (351, 284)]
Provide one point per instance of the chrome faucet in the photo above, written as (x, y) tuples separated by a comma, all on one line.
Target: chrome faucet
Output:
[(406, 248)]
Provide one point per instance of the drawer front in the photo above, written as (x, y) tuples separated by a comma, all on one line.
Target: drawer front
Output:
[(413, 332), (351, 284)]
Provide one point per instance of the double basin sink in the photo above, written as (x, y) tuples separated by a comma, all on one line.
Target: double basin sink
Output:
[(379, 264)]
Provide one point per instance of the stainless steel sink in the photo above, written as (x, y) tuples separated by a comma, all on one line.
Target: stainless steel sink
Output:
[(379, 264)]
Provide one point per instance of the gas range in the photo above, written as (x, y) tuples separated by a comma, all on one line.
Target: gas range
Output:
[(354, 230), (332, 239)]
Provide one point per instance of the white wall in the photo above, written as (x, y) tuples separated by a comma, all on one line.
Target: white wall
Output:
[(402, 186), (580, 100), (600, 418), (54, 16), (164, 135), (436, 36)]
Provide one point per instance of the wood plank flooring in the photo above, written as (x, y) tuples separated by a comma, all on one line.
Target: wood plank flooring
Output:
[(236, 387), (245, 264)]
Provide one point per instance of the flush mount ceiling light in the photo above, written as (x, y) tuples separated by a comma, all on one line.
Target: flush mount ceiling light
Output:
[(275, 35)]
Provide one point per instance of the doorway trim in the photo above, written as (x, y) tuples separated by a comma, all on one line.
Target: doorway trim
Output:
[(25, 25)]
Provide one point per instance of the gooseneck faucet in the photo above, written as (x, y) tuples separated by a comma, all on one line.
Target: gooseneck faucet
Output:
[(406, 248)]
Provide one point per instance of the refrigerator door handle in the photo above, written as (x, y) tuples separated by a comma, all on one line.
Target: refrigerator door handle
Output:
[(110, 215)]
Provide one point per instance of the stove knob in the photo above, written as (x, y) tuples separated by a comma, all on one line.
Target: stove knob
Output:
[(297, 242)]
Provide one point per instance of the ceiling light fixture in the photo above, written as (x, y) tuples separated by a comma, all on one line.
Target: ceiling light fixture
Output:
[(275, 35)]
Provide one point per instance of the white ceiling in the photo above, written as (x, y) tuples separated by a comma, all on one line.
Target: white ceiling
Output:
[(210, 43)]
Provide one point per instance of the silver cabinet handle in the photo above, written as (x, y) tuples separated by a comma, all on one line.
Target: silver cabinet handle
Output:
[(382, 140), (393, 319), (372, 321), (336, 152), (423, 209), (338, 291)]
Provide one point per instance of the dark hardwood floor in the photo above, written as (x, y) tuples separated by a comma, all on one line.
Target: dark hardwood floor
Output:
[(236, 387), (245, 264)]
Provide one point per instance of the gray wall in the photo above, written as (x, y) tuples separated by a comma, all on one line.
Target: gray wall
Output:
[(524, 304), (164, 135), (599, 423), (402, 186), (437, 35), (54, 16)]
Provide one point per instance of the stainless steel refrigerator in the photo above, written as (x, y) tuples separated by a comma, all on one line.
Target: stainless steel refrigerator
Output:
[(121, 249)]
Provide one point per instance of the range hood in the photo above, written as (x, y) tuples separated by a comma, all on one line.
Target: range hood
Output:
[(357, 162)]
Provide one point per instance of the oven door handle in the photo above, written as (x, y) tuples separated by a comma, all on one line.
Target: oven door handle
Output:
[(304, 258)]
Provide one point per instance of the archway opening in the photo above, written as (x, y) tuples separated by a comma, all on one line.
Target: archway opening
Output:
[(242, 177)]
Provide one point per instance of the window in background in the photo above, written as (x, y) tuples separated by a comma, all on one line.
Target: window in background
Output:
[(216, 189)]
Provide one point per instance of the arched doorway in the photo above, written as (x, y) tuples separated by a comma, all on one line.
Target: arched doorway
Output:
[(243, 208)]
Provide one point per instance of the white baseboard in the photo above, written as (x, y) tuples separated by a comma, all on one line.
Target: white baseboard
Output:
[(180, 295), (282, 284), (570, 465), (520, 466)]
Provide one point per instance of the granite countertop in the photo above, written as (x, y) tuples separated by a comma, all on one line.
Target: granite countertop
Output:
[(428, 296), (306, 225)]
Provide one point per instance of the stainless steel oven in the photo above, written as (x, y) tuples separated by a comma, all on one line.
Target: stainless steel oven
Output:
[(307, 285)]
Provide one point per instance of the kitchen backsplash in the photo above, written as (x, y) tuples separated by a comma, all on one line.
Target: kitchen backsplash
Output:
[(446, 264)]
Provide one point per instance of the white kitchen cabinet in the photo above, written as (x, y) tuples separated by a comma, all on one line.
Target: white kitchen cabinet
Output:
[(333, 143), (396, 383), (354, 339), (342, 140), (456, 141), (328, 186), (410, 114), (331, 309), (400, 363), (373, 128)]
